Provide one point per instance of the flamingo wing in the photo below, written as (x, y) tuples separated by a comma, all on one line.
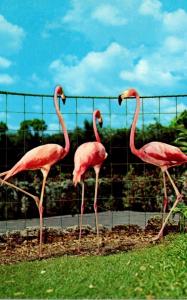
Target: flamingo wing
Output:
[(162, 154), (37, 158)]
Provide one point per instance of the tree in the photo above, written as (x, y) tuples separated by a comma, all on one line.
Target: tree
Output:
[(38, 127), (25, 129), (3, 128), (181, 119), (33, 127), (180, 124), (158, 132)]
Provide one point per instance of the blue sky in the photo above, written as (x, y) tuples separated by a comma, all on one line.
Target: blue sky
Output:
[(94, 47)]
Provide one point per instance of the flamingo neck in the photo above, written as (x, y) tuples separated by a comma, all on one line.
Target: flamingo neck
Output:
[(95, 129), (67, 142), (133, 127)]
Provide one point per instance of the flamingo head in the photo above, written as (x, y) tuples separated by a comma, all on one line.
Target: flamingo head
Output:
[(59, 92), (127, 94), (99, 117)]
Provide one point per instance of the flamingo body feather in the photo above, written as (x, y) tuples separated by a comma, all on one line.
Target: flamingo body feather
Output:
[(38, 158), (87, 155)]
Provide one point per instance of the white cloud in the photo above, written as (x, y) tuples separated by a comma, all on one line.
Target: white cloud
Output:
[(162, 68), (95, 73), (149, 51), (107, 72), (4, 63), (174, 44), (175, 22), (148, 74), (152, 8), (109, 15), (11, 36), (98, 61), (99, 22), (6, 79)]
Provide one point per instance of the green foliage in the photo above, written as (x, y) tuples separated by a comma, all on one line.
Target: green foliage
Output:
[(180, 125), (33, 127), (181, 209), (38, 126), (181, 119), (3, 128), (143, 192), (181, 140), (158, 132)]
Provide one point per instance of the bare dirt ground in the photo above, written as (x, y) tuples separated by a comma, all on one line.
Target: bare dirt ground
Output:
[(16, 247)]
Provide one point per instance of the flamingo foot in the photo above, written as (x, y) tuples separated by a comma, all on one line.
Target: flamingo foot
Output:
[(98, 250), (157, 238), (78, 249), (99, 245)]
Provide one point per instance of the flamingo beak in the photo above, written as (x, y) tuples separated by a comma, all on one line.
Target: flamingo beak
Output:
[(120, 99), (63, 98)]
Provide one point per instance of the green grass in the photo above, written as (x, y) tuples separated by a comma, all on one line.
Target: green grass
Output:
[(159, 271)]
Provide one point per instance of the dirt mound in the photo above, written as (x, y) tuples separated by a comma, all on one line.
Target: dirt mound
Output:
[(154, 224), (19, 246)]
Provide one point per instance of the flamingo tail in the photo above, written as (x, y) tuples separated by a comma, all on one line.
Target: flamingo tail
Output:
[(3, 174), (76, 178), (10, 173)]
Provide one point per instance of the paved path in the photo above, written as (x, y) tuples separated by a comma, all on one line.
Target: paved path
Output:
[(108, 219)]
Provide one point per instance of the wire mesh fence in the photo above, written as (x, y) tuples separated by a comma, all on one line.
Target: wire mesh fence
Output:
[(126, 183)]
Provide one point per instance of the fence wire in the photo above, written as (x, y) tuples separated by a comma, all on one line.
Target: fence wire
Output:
[(119, 177)]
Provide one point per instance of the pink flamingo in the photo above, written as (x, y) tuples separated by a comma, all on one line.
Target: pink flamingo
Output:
[(156, 153), (41, 157), (90, 154)]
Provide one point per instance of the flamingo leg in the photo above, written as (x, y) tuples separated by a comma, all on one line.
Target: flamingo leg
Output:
[(40, 207), (178, 198), (95, 202), (36, 199), (165, 202), (82, 211)]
